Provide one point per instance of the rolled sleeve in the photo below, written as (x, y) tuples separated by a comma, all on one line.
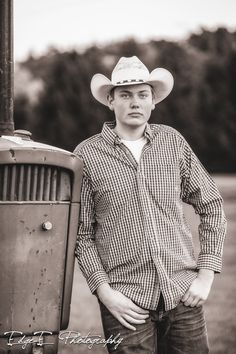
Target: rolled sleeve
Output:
[(209, 261), (96, 279)]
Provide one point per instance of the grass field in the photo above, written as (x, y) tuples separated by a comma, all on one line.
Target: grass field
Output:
[(220, 307)]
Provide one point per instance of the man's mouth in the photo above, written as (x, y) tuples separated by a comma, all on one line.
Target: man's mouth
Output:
[(135, 114)]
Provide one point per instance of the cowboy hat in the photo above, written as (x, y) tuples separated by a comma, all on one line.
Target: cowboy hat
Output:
[(131, 71)]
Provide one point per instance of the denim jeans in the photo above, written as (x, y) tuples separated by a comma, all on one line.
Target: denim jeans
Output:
[(181, 330)]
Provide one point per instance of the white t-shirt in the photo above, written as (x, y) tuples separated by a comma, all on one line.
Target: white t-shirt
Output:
[(135, 146)]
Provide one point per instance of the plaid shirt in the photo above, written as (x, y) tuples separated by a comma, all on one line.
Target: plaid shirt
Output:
[(132, 231)]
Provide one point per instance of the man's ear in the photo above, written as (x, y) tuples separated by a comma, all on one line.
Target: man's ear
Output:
[(153, 106), (110, 100)]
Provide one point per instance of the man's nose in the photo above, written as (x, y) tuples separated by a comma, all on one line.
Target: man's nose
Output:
[(134, 102)]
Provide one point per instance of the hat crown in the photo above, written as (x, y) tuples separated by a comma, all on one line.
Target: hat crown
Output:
[(129, 70)]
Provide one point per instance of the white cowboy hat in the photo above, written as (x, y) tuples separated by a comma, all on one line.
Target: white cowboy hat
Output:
[(131, 71)]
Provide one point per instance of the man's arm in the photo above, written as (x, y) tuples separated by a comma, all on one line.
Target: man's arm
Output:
[(199, 190), (86, 250), (122, 308)]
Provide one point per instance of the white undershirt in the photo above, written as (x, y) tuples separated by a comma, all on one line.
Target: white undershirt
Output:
[(135, 146)]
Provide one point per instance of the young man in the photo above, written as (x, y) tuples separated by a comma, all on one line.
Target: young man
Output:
[(134, 246)]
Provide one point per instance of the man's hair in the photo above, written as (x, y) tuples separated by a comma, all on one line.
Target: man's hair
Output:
[(111, 93)]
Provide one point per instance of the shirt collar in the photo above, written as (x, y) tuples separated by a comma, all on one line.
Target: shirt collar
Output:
[(112, 138)]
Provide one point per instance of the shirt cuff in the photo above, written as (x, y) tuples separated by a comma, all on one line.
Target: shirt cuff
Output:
[(209, 261), (96, 279)]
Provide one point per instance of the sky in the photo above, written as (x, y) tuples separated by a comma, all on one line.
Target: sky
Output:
[(67, 24)]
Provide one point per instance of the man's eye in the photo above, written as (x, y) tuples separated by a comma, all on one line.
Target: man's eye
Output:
[(124, 95), (143, 95)]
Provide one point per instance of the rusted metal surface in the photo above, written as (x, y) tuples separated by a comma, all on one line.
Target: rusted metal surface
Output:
[(32, 153), (38, 344), (32, 269), (39, 208), (25, 182), (6, 67), (69, 267)]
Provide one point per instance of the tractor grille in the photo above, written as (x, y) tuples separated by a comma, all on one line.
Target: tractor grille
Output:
[(24, 182)]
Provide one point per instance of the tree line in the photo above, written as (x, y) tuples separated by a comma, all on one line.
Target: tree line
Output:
[(53, 98)]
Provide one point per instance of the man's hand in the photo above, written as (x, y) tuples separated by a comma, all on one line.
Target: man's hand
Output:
[(121, 307), (199, 289)]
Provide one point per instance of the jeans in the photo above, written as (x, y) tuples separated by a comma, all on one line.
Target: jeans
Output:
[(181, 330)]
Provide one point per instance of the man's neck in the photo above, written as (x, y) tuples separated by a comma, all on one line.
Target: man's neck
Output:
[(128, 133)]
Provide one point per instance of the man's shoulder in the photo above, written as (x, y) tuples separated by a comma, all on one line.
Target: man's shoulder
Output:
[(166, 130), (87, 144)]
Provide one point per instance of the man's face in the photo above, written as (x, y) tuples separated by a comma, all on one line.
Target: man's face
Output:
[(132, 105)]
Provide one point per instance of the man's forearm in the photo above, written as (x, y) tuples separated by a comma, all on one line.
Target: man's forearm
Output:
[(206, 273), (103, 291)]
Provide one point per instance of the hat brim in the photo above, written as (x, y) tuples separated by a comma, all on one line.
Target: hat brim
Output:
[(160, 79)]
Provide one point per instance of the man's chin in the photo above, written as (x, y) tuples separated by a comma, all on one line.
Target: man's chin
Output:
[(136, 122)]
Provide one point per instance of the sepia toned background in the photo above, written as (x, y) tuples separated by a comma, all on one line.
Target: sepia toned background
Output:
[(60, 44)]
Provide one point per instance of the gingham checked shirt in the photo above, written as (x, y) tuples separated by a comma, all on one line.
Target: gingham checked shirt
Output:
[(132, 231)]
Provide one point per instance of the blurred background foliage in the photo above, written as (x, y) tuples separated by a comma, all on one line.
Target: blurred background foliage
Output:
[(53, 98)]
